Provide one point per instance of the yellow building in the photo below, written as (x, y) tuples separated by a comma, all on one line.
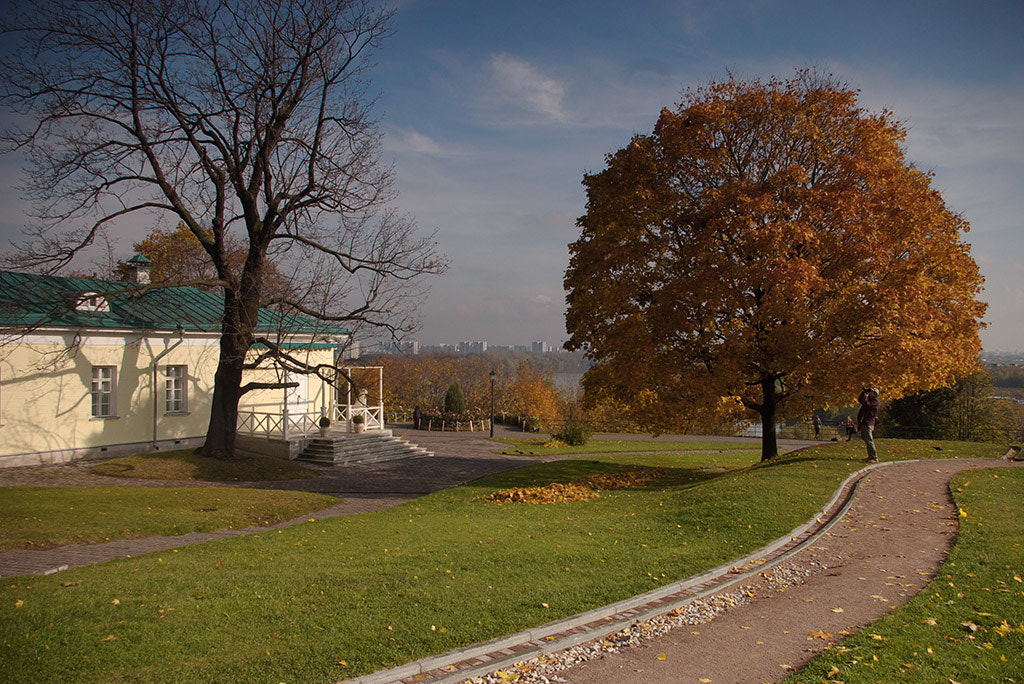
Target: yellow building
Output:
[(92, 367)]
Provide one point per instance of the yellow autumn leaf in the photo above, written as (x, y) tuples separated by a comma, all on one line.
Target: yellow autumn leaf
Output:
[(837, 610), (109, 638), (662, 656)]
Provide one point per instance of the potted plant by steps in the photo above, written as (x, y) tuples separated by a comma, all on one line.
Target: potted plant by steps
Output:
[(358, 423), (325, 426)]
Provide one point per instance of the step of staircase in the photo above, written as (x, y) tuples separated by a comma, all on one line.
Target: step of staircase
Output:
[(369, 447)]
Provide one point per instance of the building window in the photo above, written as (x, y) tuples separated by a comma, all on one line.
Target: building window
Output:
[(176, 389), (104, 391)]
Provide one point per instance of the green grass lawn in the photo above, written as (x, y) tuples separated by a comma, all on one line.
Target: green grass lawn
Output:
[(45, 517), (185, 464), (535, 446), (968, 624), (324, 601)]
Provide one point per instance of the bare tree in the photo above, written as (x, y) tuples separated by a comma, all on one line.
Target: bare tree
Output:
[(236, 117)]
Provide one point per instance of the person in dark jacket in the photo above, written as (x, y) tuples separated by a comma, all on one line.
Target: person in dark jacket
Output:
[(867, 419), (417, 418)]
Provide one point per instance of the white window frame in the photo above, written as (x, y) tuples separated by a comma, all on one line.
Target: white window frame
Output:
[(176, 389), (103, 392)]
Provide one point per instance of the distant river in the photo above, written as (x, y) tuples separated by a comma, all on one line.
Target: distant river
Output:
[(568, 381)]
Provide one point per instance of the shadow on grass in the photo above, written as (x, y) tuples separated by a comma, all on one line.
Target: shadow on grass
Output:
[(187, 465), (569, 471)]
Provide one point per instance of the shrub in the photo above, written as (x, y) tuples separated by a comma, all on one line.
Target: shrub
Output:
[(575, 433), (454, 402)]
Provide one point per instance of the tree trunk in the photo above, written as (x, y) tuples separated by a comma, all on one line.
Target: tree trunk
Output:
[(235, 340), (769, 441), (221, 432)]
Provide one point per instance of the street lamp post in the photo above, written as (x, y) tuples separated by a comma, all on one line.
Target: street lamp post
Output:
[(493, 375)]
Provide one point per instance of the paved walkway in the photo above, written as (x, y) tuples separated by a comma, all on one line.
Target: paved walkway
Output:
[(458, 458)]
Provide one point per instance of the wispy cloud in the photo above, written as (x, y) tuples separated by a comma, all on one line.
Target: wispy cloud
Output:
[(519, 83), (400, 140)]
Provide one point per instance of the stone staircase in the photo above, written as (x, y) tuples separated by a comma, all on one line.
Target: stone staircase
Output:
[(368, 447)]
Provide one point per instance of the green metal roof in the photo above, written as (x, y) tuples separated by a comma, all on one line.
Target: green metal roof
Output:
[(32, 300)]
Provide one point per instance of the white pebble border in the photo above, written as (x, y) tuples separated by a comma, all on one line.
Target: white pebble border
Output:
[(545, 669)]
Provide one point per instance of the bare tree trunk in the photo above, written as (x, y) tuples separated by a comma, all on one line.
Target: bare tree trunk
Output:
[(236, 337), (222, 429)]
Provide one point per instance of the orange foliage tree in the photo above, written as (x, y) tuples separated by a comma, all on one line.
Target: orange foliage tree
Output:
[(179, 257), (766, 248)]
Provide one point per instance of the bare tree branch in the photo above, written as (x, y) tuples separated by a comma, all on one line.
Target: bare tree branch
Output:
[(235, 117)]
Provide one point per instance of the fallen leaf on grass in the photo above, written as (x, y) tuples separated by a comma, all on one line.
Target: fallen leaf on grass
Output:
[(109, 638)]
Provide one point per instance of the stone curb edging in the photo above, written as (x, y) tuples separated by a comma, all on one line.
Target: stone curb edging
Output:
[(476, 660)]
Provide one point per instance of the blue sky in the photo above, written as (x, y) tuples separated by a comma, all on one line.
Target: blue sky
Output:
[(493, 111)]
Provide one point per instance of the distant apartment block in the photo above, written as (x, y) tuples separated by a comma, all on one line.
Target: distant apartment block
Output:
[(412, 347), (467, 347)]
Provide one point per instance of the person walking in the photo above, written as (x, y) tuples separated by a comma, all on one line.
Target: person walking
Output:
[(816, 422), (867, 419)]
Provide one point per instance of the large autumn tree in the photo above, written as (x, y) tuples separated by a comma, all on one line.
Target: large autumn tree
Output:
[(769, 248), (247, 121)]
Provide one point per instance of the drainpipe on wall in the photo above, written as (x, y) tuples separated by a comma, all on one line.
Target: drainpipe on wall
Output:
[(156, 367)]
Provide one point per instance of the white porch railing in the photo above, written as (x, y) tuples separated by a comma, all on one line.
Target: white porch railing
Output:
[(270, 420), (373, 416), (288, 418)]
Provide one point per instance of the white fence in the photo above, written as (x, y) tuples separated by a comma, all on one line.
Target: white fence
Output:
[(291, 419), (275, 421)]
